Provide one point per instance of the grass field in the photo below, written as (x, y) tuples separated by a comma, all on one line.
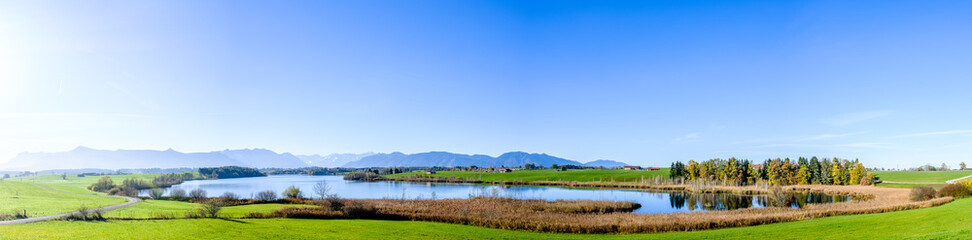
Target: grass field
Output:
[(75, 184), (584, 175), (38, 201), (949, 221), (176, 209), (909, 179)]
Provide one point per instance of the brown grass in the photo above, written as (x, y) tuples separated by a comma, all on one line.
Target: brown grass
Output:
[(614, 217)]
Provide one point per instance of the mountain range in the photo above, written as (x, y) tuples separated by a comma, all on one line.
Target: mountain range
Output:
[(83, 157), (447, 159)]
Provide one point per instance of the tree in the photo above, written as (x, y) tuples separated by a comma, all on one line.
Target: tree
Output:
[(856, 174), (815, 171), (322, 189), (156, 193), (197, 193), (804, 175), (826, 177), (293, 192), (693, 169), (962, 166), (836, 173), (103, 185), (267, 196), (943, 168)]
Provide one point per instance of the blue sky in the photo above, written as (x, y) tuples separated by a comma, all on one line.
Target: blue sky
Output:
[(644, 82)]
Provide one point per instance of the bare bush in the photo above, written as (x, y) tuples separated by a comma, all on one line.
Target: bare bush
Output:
[(197, 194), (922, 193), (267, 196), (177, 193), (955, 190), (359, 209), (156, 193), (86, 214), (230, 197), (322, 189)]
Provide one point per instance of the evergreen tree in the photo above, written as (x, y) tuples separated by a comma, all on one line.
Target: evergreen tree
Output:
[(826, 178), (815, 171)]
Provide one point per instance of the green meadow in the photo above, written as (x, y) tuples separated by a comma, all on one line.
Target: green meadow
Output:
[(37, 201), (949, 221)]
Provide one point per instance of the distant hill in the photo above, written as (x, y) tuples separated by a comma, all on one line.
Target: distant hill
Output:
[(332, 160), (447, 159), (605, 163), (82, 157)]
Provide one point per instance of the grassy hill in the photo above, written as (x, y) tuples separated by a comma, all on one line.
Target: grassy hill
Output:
[(37, 201), (912, 178)]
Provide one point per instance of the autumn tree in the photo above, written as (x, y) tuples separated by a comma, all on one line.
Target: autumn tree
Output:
[(836, 173), (804, 175), (693, 169), (856, 174)]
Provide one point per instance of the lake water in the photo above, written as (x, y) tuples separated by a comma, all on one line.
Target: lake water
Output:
[(651, 201)]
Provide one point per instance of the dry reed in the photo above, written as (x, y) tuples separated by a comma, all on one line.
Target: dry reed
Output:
[(615, 217)]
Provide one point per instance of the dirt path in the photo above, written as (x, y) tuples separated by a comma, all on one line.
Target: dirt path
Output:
[(131, 201), (957, 179)]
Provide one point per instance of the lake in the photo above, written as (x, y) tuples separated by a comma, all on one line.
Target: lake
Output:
[(651, 201)]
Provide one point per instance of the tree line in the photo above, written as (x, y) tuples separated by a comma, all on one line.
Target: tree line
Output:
[(775, 171)]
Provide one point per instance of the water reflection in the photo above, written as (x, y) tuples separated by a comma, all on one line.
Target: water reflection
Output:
[(724, 201), (651, 201)]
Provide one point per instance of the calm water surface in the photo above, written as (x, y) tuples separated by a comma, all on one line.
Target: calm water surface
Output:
[(651, 201)]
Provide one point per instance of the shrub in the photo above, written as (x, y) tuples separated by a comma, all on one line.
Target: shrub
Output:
[(955, 190), (156, 193), (778, 197), (868, 179), (921, 193), (362, 176), (166, 180), (211, 208), (197, 194), (333, 203), (359, 209), (103, 185), (135, 183), (267, 196), (177, 193), (230, 197), (86, 214), (17, 214), (293, 192), (123, 190)]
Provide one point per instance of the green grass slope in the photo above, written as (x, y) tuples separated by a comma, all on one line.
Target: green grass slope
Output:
[(581, 175), (75, 184), (921, 177), (176, 209), (949, 221), (38, 201)]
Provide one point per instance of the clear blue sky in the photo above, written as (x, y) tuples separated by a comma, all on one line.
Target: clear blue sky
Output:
[(644, 82)]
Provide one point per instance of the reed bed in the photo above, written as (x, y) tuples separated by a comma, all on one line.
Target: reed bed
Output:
[(612, 217)]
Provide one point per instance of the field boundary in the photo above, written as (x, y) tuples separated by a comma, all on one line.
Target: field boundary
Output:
[(957, 179), (131, 201)]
